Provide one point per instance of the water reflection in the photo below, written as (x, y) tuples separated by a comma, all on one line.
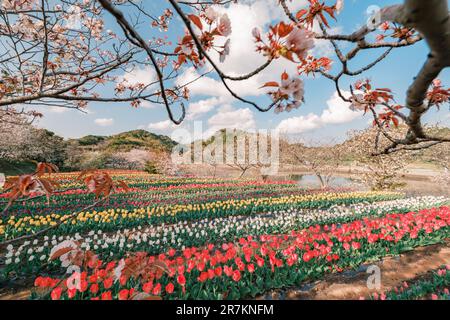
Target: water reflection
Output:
[(312, 181)]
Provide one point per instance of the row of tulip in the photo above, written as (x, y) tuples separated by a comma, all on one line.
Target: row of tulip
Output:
[(434, 286), (115, 219), (137, 179), (77, 199), (142, 181), (28, 257), (250, 265)]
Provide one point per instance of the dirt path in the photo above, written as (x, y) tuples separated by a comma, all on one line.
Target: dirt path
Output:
[(353, 285), (22, 295)]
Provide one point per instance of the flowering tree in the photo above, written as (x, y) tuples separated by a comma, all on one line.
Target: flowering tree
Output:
[(164, 165), (323, 161), (20, 141), (440, 156), (385, 170), (60, 55), (444, 162)]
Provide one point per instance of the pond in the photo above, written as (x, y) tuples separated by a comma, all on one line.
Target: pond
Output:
[(425, 186), (310, 180)]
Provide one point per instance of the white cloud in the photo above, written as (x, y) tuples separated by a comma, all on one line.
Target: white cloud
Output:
[(338, 112), (162, 125), (230, 118), (203, 86), (144, 75), (243, 58), (201, 107), (104, 122), (324, 47), (55, 109), (147, 105), (296, 125)]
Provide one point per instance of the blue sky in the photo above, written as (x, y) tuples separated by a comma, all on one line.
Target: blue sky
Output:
[(319, 118)]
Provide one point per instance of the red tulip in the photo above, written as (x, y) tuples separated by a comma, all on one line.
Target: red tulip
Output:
[(123, 294), (157, 289), (162, 257), (169, 288), (56, 293), (181, 269), (191, 265), (83, 285), (260, 262), (181, 279), (123, 280), (111, 265), (201, 266), (203, 277), (93, 278), (236, 276), (107, 283), (307, 256), (187, 253), (147, 287), (94, 288), (71, 293), (107, 295), (228, 271), (218, 271), (356, 245), (38, 282)]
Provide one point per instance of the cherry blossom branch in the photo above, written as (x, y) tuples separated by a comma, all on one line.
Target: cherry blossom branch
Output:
[(59, 93), (30, 50), (136, 39), (431, 19), (222, 76)]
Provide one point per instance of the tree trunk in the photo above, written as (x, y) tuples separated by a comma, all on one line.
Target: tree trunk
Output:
[(242, 173)]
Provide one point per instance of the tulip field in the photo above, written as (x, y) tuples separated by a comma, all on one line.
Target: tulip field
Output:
[(210, 238)]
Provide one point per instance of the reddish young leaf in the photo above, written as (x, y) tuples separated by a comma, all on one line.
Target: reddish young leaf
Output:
[(196, 20), (270, 84), (60, 252), (301, 13)]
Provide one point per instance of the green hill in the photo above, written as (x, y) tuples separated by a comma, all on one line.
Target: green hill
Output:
[(139, 139), (126, 141)]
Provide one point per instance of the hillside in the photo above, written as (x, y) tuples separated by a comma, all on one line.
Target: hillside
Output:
[(126, 141)]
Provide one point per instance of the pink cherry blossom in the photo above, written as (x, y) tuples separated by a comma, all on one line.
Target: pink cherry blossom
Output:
[(300, 41), (224, 26)]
